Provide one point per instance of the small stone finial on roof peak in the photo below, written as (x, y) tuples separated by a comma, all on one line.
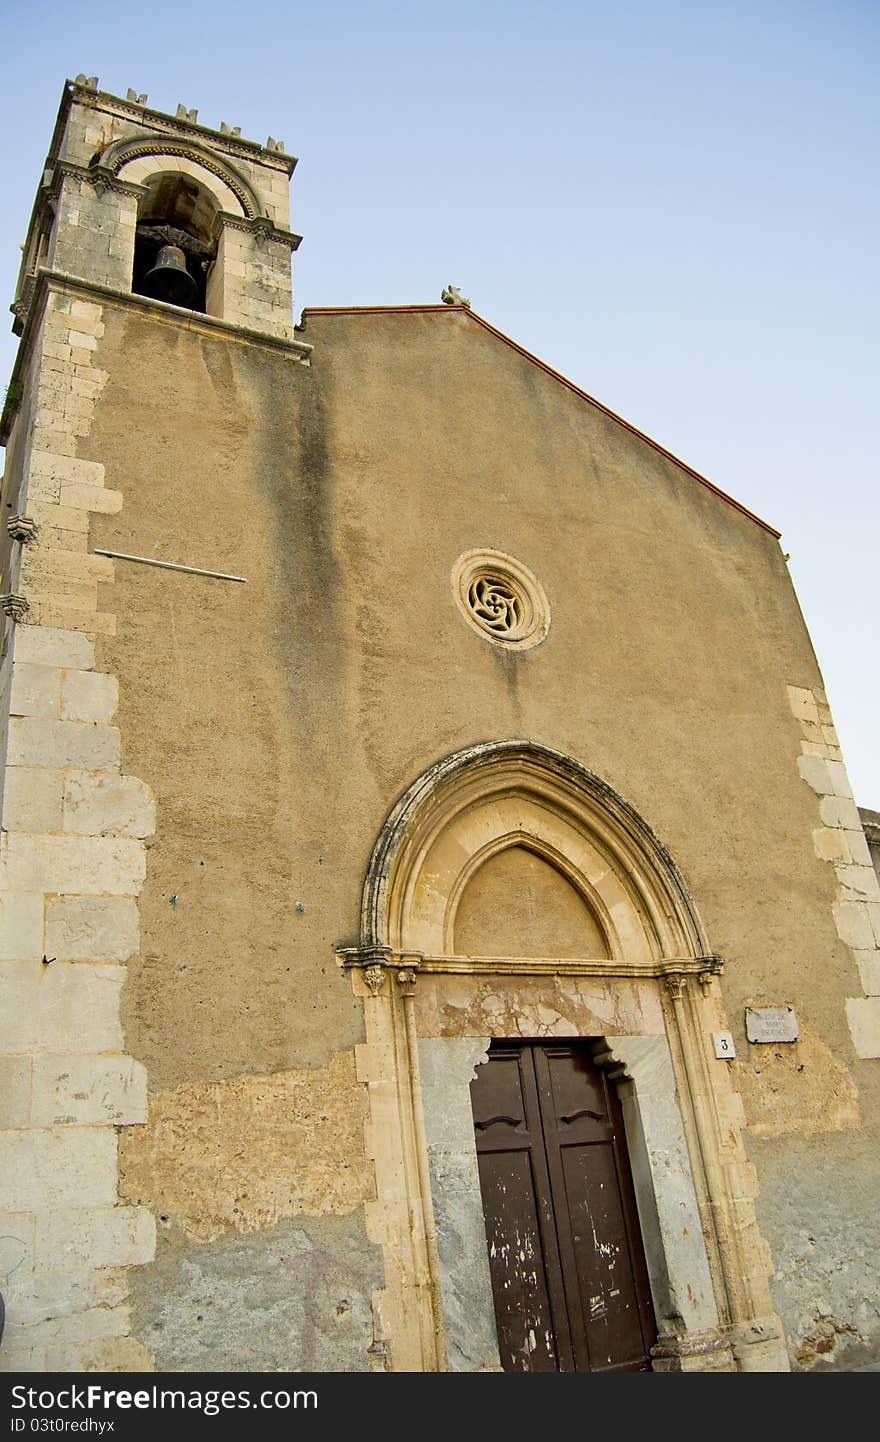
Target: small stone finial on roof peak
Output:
[(453, 296), (89, 81), (136, 99), (229, 129), (273, 144), (183, 114)]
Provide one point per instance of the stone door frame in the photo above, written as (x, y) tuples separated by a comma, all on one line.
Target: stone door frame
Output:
[(430, 1010)]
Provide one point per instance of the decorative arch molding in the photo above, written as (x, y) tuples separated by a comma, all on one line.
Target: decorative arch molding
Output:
[(650, 999), (477, 801), (120, 153)]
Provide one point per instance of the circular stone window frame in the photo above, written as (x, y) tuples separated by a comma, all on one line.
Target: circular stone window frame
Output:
[(513, 577)]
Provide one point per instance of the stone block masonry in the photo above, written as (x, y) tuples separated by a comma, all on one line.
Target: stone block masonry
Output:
[(93, 238), (72, 862), (840, 840), (73, 826)]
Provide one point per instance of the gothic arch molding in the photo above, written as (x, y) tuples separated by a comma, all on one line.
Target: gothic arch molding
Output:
[(650, 997), (483, 798)]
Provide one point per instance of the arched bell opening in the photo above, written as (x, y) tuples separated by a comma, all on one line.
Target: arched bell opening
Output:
[(174, 240)]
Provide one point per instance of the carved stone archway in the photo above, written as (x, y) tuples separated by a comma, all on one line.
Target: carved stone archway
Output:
[(649, 996), (139, 157)]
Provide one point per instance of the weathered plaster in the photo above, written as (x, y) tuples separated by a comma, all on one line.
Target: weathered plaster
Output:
[(293, 1297), (536, 1006), (826, 1247), (447, 1066), (247, 1153), (517, 904), (795, 1088)]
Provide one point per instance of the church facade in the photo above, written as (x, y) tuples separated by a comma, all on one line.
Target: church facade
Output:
[(437, 929)]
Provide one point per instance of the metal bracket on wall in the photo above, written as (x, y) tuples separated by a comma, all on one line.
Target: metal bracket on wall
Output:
[(169, 565)]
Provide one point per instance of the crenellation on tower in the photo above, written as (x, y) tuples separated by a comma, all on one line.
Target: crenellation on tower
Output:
[(117, 172)]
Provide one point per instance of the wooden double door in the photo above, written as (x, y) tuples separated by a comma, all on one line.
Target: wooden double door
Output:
[(568, 1269)]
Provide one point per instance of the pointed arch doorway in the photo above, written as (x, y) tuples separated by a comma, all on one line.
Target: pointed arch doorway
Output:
[(609, 947)]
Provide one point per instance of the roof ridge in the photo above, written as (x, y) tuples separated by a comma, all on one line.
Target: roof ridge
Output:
[(557, 375)]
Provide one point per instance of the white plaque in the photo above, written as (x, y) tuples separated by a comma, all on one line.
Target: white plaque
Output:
[(724, 1047), (771, 1023)]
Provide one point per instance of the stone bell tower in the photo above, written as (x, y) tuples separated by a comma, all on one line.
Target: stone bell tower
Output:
[(122, 184), (121, 180)]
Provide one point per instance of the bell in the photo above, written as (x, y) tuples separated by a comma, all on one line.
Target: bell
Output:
[(169, 279)]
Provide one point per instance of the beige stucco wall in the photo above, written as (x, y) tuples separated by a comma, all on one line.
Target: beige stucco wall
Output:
[(277, 721)]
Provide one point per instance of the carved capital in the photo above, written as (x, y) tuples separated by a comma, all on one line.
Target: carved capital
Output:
[(259, 226), (21, 306), (406, 979), (22, 528), (712, 966), (374, 976), (674, 987), (99, 176)]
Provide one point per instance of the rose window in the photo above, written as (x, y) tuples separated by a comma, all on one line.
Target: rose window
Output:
[(500, 598)]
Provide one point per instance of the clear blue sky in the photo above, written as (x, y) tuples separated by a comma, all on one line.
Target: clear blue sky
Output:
[(675, 204)]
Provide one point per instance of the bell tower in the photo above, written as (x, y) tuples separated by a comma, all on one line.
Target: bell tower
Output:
[(122, 182), (156, 274)]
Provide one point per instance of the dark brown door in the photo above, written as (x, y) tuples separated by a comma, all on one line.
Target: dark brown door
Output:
[(568, 1267)]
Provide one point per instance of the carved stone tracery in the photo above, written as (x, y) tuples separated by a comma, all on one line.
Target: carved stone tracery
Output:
[(501, 598), (495, 605)]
